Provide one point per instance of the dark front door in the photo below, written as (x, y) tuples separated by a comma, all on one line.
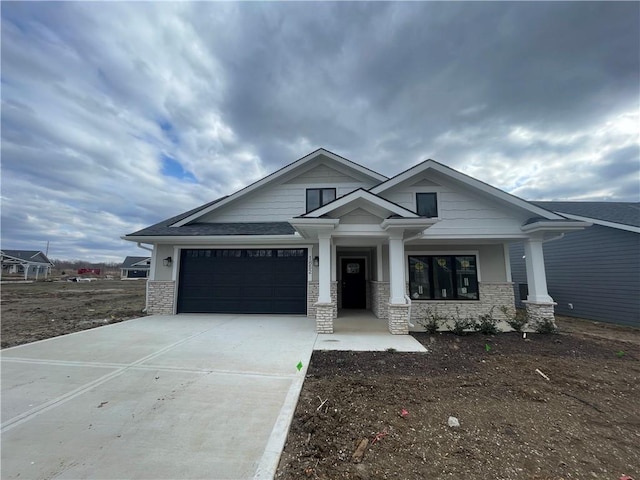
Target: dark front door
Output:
[(354, 286)]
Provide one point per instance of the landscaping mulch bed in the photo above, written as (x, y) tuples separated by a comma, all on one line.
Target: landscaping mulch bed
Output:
[(583, 422)]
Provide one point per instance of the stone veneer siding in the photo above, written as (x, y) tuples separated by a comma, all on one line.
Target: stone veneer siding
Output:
[(491, 294), (324, 317), (312, 298), (398, 319), (160, 297), (379, 292), (539, 312)]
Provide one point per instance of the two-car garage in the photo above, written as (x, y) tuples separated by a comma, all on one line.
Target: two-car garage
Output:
[(269, 280)]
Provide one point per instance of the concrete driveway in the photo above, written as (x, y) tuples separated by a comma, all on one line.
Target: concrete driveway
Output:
[(188, 396)]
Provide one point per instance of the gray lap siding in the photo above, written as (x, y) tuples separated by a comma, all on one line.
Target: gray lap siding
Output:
[(597, 270)]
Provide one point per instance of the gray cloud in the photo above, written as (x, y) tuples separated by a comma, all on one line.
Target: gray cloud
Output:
[(540, 99)]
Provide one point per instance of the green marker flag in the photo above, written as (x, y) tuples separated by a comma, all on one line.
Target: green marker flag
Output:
[(299, 366)]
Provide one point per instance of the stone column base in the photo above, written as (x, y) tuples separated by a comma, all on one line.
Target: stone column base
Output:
[(160, 297), (398, 319), (324, 317), (538, 313)]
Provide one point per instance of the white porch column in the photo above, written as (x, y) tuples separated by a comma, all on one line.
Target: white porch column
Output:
[(536, 276), (396, 269), (324, 269)]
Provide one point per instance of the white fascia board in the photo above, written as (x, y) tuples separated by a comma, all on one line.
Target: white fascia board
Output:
[(279, 174), (351, 165), (13, 258), (407, 174), (467, 180), (568, 226), (408, 223), (361, 195), (322, 223), (140, 264), (604, 223), (212, 239), (428, 236)]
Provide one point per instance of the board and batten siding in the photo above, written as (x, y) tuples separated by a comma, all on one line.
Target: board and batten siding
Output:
[(597, 270), (284, 201), (460, 212)]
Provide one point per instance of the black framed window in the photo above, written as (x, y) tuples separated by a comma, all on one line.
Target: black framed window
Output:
[(317, 197), (427, 204), (443, 277)]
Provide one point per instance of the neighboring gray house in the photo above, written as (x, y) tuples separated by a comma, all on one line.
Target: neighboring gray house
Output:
[(135, 267), (592, 273), (30, 263)]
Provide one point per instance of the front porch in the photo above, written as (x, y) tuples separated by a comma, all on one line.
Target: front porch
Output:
[(361, 330), (369, 253)]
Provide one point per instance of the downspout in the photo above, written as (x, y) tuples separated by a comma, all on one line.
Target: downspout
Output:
[(146, 293), (557, 237), (408, 299)]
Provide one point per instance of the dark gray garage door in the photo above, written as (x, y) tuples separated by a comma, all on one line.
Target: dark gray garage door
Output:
[(243, 281)]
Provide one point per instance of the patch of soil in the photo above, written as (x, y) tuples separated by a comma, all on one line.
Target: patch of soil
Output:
[(584, 422), (39, 310)]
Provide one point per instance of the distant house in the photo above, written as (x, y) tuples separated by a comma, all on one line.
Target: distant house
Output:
[(30, 263), (135, 267), (592, 273)]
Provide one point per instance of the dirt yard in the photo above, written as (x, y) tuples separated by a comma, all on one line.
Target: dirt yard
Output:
[(35, 311), (583, 422)]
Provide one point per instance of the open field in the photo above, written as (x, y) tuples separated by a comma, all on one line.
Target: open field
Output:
[(583, 422), (35, 311)]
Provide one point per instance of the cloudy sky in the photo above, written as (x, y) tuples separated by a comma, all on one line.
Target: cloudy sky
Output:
[(118, 115)]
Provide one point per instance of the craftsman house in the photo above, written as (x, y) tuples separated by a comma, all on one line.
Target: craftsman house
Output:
[(592, 273), (325, 234), (135, 268), (28, 263)]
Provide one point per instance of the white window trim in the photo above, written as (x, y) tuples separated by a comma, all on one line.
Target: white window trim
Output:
[(436, 190), (319, 186)]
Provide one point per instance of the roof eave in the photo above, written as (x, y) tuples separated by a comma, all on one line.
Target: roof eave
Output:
[(176, 239), (604, 223), (558, 227)]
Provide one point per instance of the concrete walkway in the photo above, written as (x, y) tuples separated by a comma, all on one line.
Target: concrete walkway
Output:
[(166, 397), (360, 330)]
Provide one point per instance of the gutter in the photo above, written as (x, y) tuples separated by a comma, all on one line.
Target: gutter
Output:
[(144, 248)]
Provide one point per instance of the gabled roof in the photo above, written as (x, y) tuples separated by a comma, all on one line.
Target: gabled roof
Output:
[(298, 164), (159, 228), (27, 256), (467, 180), (613, 214), (132, 263), (365, 196)]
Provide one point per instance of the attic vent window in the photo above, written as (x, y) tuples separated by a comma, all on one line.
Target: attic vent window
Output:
[(427, 205), (317, 197)]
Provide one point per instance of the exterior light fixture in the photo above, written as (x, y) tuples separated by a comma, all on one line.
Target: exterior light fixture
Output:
[(316, 261), (167, 262)]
